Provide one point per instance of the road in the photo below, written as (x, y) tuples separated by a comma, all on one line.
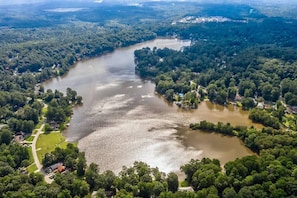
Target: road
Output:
[(35, 157)]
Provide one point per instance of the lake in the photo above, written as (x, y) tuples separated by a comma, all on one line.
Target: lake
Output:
[(122, 120)]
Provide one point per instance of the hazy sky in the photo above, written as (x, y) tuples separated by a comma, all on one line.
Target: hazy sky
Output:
[(6, 2)]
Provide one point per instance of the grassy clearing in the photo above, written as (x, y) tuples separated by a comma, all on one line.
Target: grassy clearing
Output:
[(38, 125), (47, 143), (41, 121), (75, 144), (44, 110), (31, 159), (29, 138), (183, 184), (32, 168)]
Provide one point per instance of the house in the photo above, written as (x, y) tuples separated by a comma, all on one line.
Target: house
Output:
[(260, 105), (61, 168), (294, 109), (291, 109), (267, 106), (19, 137), (186, 189), (238, 97), (109, 193), (23, 170), (53, 167), (54, 125), (58, 167)]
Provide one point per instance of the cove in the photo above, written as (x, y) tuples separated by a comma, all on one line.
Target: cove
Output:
[(123, 120)]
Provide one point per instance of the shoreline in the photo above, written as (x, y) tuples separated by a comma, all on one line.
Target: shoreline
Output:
[(75, 135)]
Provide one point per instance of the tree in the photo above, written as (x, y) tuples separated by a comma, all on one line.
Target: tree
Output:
[(81, 165), (47, 128), (169, 95), (246, 85), (107, 180), (222, 182), (79, 100), (247, 103), (71, 94), (163, 86), (5, 169), (35, 178), (124, 194), (48, 159), (212, 91), (203, 179), (211, 192), (145, 189), (80, 188), (64, 194), (5, 136), (232, 93), (229, 193), (275, 94), (290, 98), (221, 97), (158, 188), (266, 92), (92, 176), (30, 114), (190, 168), (172, 181), (101, 193)]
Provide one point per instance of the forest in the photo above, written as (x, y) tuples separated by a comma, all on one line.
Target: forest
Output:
[(237, 63), (249, 61)]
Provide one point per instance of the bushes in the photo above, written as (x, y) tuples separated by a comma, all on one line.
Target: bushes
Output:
[(225, 129), (265, 118)]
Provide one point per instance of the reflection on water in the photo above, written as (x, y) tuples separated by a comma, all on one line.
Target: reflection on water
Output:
[(218, 113), (123, 120)]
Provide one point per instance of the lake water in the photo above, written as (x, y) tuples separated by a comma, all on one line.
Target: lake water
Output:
[(123, 120)]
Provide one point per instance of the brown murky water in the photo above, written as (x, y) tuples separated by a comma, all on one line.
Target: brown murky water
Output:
[(123, 120)]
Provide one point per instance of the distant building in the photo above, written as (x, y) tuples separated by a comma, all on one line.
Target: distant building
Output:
[(58, 167), (260, 105), (186, 189), (294, 109), (19, 137), (238, 97), (291, 109)]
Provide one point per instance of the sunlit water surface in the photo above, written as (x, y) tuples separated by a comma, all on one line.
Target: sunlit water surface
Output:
[(123, 120)]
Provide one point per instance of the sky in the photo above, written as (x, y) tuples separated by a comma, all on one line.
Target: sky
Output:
[(7, 2)]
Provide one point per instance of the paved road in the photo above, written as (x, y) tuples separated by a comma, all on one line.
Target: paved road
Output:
[(36, 160)]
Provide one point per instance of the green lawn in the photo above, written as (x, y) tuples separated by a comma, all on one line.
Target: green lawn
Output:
[(183, 184), (44, 110), (40, 123), (32, 168), (29, 138), (31, 159), (46, 143)]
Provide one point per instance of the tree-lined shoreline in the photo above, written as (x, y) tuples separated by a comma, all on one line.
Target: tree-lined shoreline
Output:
[(253, 62)]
